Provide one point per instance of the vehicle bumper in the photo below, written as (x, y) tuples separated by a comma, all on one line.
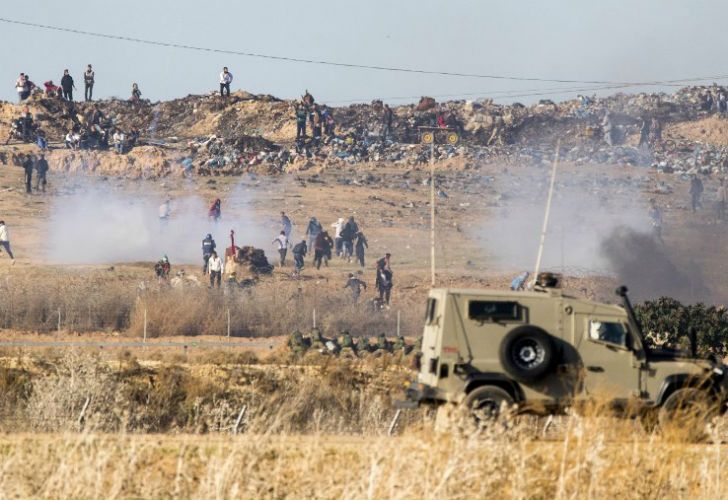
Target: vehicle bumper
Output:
[(417, 394)]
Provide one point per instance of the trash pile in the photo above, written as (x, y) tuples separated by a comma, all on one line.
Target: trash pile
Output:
[(214, 136)]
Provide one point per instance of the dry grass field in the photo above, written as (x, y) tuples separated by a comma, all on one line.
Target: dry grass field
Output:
[(158, 422), (165, 427)]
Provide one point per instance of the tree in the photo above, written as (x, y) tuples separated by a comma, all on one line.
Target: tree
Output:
[(667, 322)]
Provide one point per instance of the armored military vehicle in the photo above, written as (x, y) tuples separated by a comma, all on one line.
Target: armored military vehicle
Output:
[(545, 350)]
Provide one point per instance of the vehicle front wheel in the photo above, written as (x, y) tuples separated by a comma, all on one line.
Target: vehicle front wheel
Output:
[(685, 413), (486, 403)]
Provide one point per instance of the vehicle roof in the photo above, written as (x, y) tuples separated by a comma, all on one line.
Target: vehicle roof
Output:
[(547, 294)]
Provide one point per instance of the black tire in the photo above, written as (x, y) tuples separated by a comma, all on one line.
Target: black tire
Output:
[(487, 402), (685, 413), (527, 354)]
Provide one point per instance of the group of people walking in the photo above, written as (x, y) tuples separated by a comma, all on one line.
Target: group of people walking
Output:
[(348, 242)]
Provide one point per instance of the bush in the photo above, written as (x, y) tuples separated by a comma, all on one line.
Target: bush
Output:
[(667, 322)]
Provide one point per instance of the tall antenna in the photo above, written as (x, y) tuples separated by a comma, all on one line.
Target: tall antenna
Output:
[(545, 227)]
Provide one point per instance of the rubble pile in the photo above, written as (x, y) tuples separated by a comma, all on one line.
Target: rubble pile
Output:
[(213, 136)]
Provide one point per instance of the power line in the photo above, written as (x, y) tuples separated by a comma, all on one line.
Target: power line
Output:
[(513, 93), (306, 61)]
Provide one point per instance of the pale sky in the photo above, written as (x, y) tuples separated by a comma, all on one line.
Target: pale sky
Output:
[(615, 40)]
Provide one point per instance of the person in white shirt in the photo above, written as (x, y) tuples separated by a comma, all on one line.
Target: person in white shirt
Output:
[(214, 269), (5, 240), (282, 244), (226, 79), (89, 77), (20, 86), (338, 242), (119, 140)]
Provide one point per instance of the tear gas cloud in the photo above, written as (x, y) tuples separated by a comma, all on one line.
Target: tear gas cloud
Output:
[(582, 216), (643, 263), (98, 223), (596, 227)]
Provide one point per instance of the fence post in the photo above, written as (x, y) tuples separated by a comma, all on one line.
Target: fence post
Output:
[(314, 317), (59, 321), (145, 325), (82, 416), (393, 424), (239, 419), (398, 323), (228, 323)]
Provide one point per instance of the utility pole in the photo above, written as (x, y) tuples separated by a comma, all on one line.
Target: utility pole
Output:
[(432, 212), (428, 136), (545, 227)]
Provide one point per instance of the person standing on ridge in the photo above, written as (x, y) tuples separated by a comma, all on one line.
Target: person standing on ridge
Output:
[(20, 86), (67, 85), (387, 117), (301, 114), (226, 79), (88, 81)]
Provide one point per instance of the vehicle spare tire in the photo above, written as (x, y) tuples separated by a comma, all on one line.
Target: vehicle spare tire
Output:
[(527, 353)]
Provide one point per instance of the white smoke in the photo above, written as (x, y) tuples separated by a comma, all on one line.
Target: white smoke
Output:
[(97, 223), (582, 215)]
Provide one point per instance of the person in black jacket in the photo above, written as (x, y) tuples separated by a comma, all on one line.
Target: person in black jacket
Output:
[(348, 233), (299, 252), (41, 167), (28, 165), (322, 249), (67, 85), (361, 244), (208, 246)]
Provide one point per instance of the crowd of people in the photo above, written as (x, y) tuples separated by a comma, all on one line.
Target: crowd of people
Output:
[(348, 242), (319, 120)]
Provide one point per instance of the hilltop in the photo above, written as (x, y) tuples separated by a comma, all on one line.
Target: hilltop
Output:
[(211, 136)]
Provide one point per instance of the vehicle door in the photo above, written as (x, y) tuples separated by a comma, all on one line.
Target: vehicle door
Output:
[(610, 368)]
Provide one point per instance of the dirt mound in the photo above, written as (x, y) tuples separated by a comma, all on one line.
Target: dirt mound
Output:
[(143, 162), (256, 133), (712, 130)]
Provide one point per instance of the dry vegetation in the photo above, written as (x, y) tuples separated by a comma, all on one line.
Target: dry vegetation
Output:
[(93, 301), (311, 429)]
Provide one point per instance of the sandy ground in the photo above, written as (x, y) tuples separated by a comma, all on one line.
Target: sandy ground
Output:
[(391, 205)]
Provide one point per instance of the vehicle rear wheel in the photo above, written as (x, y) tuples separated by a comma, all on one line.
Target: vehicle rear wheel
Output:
[(486, 403), (685, 413), (527, 353)]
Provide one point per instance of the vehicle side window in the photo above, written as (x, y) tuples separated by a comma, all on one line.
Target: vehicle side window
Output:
[(430, 312), (609, 332), (490, 310)]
